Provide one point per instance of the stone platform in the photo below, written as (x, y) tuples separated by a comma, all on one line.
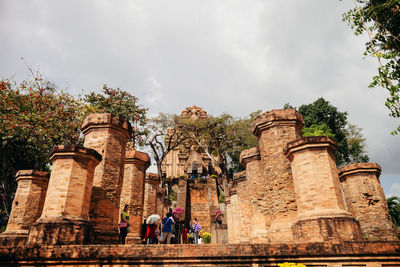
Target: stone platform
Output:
[(329, 254)]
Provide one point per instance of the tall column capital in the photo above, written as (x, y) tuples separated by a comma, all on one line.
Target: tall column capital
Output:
[(357, 168), (277, 117), (137, 158), (249, 155), (106, 120), (309, 143)]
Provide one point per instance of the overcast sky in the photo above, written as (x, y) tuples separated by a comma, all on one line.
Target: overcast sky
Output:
[(225, 56)]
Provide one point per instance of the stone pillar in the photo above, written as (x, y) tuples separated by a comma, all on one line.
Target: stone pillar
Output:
[(27, 205), (108, 135), (151, 184), (274, 130), (250, 159), (161, 208), (132, 193), (243, 206), (65, 216), (366, 200), (182, 193), (322, 215), (233, 222)]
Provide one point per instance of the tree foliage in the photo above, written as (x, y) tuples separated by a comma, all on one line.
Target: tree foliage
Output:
[(322, 118), (163, 135), (222, 138), (380, 19), (34, 116), (394, 209), (121, 103)]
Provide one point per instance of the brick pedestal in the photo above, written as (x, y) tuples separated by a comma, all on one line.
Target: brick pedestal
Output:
[(108, 135), (274, 130), (27, 205), (366, 200), (65, 219), (132, 193), (250, 159), (322, 215)]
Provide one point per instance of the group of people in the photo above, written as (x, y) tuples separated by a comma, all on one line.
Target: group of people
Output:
[(171, 230)]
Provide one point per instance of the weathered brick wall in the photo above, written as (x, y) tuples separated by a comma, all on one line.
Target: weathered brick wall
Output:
[(233, 215), (65, 216), (250, 159), (28, 201), (367, 254), (132, 193), (181, 193), (108, 135), (150, 195), (366, 200), (321, 211), (244, 206), (274, 130), (203, 202)]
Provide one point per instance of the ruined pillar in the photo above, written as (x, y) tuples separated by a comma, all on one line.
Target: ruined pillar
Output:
[(243, 206), (182, 193), (108, 135), (132, 193), (277, 198), (366, 200), (250, 159), (27, 205), (65, 216), (233, 222), (161, 208), (322, 215), (151, 184)]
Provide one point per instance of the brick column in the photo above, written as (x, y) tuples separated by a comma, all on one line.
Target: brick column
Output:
[(151, 184), (322, 215), (243, 206), (132, 193), (65, 216), (250, 159), (366, 200), (233, 222), (27, 205), (161, 208), (108, 135), (274, 130)]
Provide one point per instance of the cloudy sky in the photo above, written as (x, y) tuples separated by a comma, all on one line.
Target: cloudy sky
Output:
[(231, 56)]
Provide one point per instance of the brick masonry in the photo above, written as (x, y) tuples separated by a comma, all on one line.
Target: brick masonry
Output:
[(151, 184), (108, 135), (324, 254), (277, 199), (322, 214), (27, 205), (132, 193), (366, 200), (65, 216)]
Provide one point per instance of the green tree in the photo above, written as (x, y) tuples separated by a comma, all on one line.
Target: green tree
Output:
[(380, 19), (222, 138), (34, 116), (394, 209), (121, 103), (322, 118), (163, 135)]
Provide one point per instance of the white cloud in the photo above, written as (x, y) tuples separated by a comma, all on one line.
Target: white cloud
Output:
[(394, 190)]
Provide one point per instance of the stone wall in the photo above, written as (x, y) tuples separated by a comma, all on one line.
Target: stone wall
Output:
[(327, 254), (203, 202), (243, 206), (366, 200)]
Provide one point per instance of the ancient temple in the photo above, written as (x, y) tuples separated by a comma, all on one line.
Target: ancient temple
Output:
[(291, 204)]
